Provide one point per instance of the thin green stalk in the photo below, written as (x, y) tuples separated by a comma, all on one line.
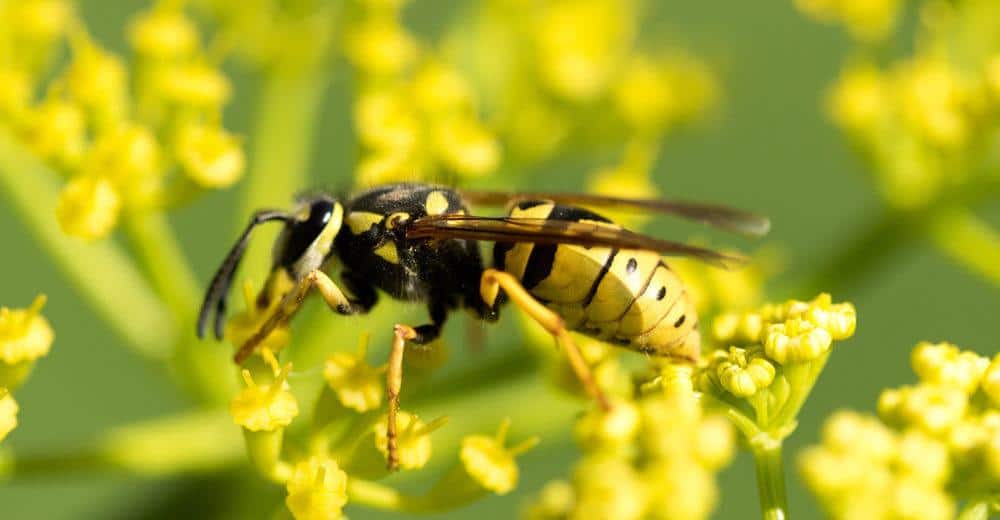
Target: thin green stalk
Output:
[(101, 271), (155, 245), (770, 477), (968, 240), (281, 147), (202, 367)]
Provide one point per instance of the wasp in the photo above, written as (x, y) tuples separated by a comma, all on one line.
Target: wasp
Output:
[(565, 266)]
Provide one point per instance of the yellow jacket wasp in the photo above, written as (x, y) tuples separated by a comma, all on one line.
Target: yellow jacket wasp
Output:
[(565, 266)]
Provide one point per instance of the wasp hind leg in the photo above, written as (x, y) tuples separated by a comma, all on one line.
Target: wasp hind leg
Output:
[(491, 283), (291, 302)]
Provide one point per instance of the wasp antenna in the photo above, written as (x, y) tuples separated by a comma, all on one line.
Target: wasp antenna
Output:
[(215, 297)]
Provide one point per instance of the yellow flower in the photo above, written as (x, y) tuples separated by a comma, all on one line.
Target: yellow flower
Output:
[(743, 373), (796, 341), (413, 440), (197, 85), (555, 502), (869, 20), (98, 80), (859, 99), (245, 324), (129, 156), (56, 131), (581, 43), (381, 46), (680, 490), (15, 92), (385, 121), (714, 442), (88, 207), (991, 381), (608, 487), (932, 96), (945, 364), (317, 490), (653, 94), (439, 87), (614, 428), (357, 384), (492, 464), (25, 335), (163, 33), (265, 407), (38, 21), (8, 413), (466, 146), (212, 157)]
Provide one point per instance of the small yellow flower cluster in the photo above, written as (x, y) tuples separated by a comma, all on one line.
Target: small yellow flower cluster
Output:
[(867, 20), (652, 456), (924, 121), (25, 336), (416, 113), (776, 354), (938, 443), (118, 149)]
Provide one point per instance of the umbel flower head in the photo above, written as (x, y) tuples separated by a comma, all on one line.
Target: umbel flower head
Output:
[(934, 447)]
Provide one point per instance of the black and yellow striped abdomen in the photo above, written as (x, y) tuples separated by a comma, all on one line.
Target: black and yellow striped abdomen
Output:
[(626, 297)]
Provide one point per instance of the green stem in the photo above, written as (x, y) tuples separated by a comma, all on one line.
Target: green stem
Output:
[(978, 509), (770, 471), (187, 443), (101, 271), (155, 245), (202, 367), (968, 240), (281, 144)]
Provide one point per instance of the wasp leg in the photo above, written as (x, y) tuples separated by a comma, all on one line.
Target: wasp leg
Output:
[(291, 302), (394, 375), (490, 285)]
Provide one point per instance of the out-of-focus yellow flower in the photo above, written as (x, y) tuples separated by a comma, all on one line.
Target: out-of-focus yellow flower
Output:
[(466, 146), (859, 99), (98, 80), (608, 487), (56, 130), (581, 45), (265, 407), (130, 157), (15, 92), (945, 364), (653, 94), (932, 98), (8, 413), (555, 501), (38, 21), (380, 45), (385, 121), (163, 33), (25, 335), (439, 87), (683, 491), (598, 429), (869, 20), (357, 384), (317, 490), (210, 156), (88, 207), (413, 440), (991, 381), (198, 85), (492, 464)]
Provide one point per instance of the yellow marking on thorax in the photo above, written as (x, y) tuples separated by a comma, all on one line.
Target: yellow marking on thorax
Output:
[(329, 233), (361, 221), (396, 218), (436, 203), (388, 252)]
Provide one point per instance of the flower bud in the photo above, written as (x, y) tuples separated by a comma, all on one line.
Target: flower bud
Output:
[(611, 429), (88, 207), (413, 439), (317, 490), (57, 132), (381, 46), (98, 80), (265, 407), (923, 458), (944, 364), (490, 463), (25, 335), (197, 85), (796, 341), (608, 487), (991, 381)]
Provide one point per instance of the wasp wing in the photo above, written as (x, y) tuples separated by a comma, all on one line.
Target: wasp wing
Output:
[(723, 217), (549, 231)]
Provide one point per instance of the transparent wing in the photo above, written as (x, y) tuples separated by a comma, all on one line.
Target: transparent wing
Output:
[(547, 231), (723, 217)]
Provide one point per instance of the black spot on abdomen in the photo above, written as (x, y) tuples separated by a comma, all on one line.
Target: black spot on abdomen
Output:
[(661, 294), (680, 321)]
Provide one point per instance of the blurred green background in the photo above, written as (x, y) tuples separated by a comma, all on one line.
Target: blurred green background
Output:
[(770, 149)]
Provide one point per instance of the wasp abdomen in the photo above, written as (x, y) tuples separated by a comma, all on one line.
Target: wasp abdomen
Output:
[(626, 297)]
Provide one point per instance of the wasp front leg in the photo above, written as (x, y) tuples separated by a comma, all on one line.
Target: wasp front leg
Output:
[(491, 283), (291, 302)]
